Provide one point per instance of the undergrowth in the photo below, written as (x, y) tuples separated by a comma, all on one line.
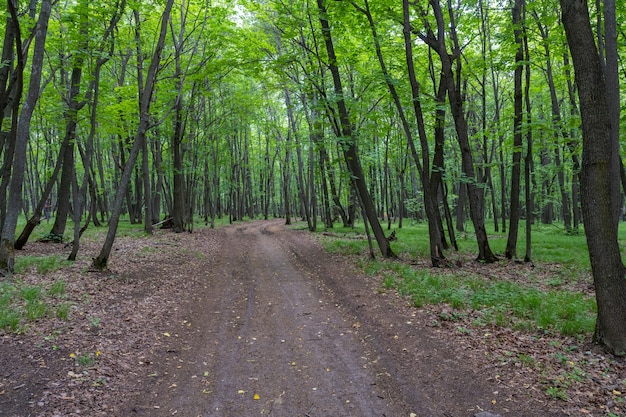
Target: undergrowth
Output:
[(495, 301), (498, 303), (21, 303)]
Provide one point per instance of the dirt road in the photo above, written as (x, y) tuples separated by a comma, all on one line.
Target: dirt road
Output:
[(279, 327), (266, 337), (249, 320)]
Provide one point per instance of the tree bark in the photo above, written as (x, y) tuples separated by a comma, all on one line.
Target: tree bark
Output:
[(7, 253), (514, 212), (101, 261), (474, 190), (599, 177), (435, 237), (347, 141)]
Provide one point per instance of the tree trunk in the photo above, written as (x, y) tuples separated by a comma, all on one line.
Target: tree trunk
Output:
[(514, 213), (475, 190), (435, 237), (348, 142), (7, 253), (528, 162), (599, 177), (101, 261)]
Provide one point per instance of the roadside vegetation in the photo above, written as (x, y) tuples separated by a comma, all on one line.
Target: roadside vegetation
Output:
[(553, 293), (536, 318)]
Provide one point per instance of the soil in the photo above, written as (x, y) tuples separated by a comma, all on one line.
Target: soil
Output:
[(257, 319)]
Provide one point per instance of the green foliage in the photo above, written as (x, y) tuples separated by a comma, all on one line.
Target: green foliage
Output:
[(525, 305), (500, 302), (63, 311), (57, 288), (21, 303), (558, 393), (42, 264), (85, 359)]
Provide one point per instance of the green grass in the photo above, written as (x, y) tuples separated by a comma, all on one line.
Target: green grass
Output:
[(525, 305), (21, 303), (42, 264), (502, 303)]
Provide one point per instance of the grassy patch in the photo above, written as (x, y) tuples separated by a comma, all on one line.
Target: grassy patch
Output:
[(42, 264), (502, 303), (21, 303), (524, 305)]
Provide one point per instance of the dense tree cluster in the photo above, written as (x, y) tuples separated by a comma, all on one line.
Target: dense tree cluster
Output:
[(328, 110)]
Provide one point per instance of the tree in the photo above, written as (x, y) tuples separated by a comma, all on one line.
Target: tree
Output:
[(347, 140), (511, 244), (599, 178), (7, 238), (101, 261), (423, 164), (456, 99)]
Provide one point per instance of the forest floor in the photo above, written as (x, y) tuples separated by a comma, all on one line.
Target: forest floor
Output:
[(257, 319)]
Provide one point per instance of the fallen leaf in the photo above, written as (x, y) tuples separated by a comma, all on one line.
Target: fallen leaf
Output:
[(166, 334), (616, 392), (256, 397), (241, 391)]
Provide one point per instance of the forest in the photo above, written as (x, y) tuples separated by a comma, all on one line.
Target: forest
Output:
[(482, 116)]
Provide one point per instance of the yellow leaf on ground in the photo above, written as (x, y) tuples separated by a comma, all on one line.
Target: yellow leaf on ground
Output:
[(257, 397), (166, 334)]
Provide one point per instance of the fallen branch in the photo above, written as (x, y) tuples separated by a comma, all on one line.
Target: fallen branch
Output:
[(161, 222)]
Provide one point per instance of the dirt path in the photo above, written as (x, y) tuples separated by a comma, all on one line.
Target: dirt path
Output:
[(248, 320), (279, 327)]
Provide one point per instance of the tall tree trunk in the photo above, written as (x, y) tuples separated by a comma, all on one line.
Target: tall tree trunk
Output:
[(528, 162), (435, 238), (179, 192), (572, 146), (611, 76), (599, 177), (7, 253), (287, 179), (514, 213), (71, 122), (559, 131), (348, 142), (101, 261), (475, 190)]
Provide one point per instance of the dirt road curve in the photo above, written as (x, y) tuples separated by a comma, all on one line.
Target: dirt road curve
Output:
[(278, 327)]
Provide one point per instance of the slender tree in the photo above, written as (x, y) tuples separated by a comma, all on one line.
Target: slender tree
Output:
[(511, 244), (101, 261), (449, 60), (347, 140), (7, 253)]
